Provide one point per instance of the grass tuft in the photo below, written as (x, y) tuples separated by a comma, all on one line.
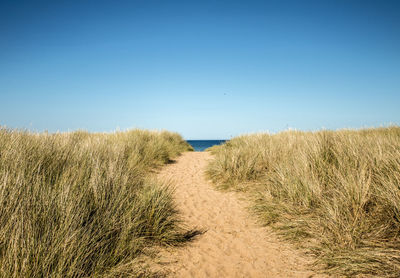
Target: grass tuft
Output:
[(335, 193), (80, 204)]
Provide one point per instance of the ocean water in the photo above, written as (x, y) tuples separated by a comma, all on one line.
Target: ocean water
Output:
[(201, 145)]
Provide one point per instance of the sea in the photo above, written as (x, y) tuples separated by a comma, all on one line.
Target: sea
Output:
[(201, 145)]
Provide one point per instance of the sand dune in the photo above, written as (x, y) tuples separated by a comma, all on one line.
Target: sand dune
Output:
[(233, 244)]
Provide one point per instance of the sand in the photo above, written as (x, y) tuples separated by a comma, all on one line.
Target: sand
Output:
[(233, 244)]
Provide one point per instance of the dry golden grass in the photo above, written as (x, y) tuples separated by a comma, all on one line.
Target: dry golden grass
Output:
[(82, 205), (334, 193)]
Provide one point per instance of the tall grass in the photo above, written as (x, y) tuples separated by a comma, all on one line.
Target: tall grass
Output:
[(83, 205), (335, 193)]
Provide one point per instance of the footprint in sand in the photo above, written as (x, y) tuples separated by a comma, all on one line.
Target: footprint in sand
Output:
[(234, 245)]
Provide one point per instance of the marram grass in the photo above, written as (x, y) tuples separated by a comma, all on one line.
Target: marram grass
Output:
[(83, 205), (334, 193)]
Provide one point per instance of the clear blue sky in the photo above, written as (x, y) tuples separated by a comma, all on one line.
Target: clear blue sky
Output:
[(206, 69)]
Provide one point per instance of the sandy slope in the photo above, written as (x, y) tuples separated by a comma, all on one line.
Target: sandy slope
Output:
[(233, 244)]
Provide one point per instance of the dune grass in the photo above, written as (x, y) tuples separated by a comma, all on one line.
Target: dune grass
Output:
[(83, 205), (334, 193)]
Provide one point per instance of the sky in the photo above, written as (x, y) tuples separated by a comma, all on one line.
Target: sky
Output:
[(205, 69)]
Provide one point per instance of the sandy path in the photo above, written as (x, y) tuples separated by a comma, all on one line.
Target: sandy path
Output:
[(233, 244)]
